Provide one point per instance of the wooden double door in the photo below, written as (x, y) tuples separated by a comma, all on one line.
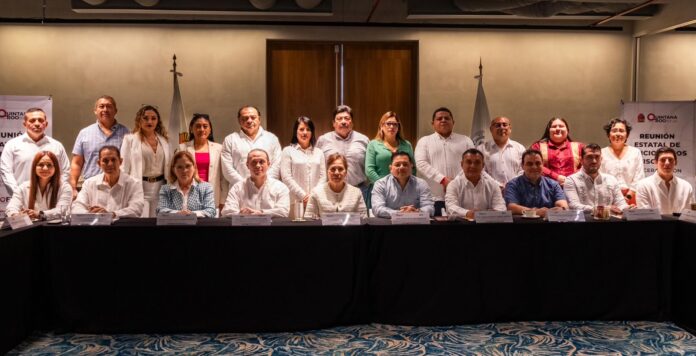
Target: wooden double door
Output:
[(312, 78)]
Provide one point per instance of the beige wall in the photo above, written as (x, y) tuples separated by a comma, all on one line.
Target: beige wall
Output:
[(528, 75), (668, 67)]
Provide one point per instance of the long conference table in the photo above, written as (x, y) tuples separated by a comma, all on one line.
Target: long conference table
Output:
[(135, 277)]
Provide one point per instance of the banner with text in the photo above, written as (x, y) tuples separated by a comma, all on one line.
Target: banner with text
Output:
[(664, 124), (12, 110)]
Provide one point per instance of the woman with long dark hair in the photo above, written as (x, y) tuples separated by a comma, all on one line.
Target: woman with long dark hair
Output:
[(44, 194)]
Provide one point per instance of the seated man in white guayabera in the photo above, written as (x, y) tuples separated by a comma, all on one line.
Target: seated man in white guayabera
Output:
[(588, 188), (401, 191), (664, 190), (471, 191), (259, 193), (110, 191)]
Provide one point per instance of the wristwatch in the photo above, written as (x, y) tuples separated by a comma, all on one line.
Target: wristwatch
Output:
[(42, 216)]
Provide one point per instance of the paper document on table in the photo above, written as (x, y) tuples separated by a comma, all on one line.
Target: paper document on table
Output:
[(490, 216), (565, 215), (415, 218), (97, 219), (642, 214), (251, 220), (340, 219), (176, 219)]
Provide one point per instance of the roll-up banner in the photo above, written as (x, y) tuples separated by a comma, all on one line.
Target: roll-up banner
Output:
[(664, 124)]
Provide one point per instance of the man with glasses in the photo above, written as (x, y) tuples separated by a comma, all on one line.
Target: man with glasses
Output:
[(438, 155), (502, 155), (106, 131), (237, 146), (18, 154), (349, 143)]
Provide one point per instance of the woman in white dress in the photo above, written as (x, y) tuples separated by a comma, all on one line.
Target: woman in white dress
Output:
[(336, 195), (43, 196), (206, 154), (146, 155), (621, 160), (302, 166)]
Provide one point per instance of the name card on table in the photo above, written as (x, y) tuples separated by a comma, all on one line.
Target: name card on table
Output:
[(340, 219), (97, 219), (487, 216), (176, 219), (642, 214), (19, 220), (415, 218), (688, 215), (251, 220), (565, 215)]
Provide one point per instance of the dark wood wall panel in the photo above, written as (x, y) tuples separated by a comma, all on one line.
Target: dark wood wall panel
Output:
[(381, 77), (301, 80)]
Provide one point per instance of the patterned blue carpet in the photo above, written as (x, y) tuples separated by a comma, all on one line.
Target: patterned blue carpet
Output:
[(524, 338)]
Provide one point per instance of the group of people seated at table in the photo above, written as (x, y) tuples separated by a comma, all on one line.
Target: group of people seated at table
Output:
[(134, 174)]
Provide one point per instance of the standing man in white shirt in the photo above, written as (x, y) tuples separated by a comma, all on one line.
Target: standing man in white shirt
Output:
[(259, 193), (664, 190), (437, 155), (502, 155), (350, 144), (588, 188), (237, 146), (472, 191), (19, 152), (111, 191)]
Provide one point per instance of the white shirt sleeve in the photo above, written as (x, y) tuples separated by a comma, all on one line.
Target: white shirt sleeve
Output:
[(7, 168), (227, 162)]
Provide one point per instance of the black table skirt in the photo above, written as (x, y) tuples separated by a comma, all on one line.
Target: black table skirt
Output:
[(134, 276)]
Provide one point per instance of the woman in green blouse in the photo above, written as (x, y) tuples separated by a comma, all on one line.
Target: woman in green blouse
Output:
[(387, 141)]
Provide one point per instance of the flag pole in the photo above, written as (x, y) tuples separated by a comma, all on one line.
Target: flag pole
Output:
[(177, 121), (481, 117)]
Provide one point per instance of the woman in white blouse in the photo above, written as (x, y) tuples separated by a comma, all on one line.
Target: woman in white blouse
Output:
[(44, 194), (335, 195), (302, 166), (146, 155), (621, 160), (206, 154)]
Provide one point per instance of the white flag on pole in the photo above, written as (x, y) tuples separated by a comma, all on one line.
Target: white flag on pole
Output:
[(178, 131), (479, 125)]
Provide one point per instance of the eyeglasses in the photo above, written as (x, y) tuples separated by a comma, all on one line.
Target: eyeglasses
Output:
[(205, 116), (391, 124), (501, 125), (45, 165)]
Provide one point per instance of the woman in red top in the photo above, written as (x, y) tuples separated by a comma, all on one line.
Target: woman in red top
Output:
[(560, 153)]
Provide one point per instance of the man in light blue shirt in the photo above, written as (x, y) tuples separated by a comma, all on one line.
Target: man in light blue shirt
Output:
[(401, 191), (105, 132), (532, 191)]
